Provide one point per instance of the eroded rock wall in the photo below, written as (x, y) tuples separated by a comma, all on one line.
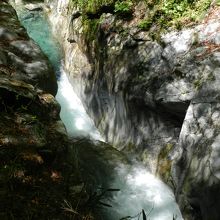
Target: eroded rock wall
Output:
[(158, 99), (112, 80)]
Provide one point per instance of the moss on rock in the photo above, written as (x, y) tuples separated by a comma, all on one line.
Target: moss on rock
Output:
[(164, 163)]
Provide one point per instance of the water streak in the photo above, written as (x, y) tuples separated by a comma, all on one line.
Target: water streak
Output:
[(73, 114), (142, 190)]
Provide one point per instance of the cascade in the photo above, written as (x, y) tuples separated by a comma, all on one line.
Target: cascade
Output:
[(139, 190), (73, 114)]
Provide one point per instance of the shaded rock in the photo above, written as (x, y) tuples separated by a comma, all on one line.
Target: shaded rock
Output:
[(25, 58), (98, 162), (35, 166)]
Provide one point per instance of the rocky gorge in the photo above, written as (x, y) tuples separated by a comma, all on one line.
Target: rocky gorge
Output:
[(153, 97), (47, 170)]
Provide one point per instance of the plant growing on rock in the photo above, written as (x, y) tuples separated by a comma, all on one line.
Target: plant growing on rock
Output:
[(145, 24), (173, 13), (91, 6), (123, 8)]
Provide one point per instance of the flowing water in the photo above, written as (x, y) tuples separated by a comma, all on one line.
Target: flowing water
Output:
[(73, 114), (139, 190)]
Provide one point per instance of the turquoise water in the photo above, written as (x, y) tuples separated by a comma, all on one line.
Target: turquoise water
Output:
[(39, 30), (73, 114)]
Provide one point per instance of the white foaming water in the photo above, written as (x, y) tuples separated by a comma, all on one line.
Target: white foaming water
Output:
[(73, 114), (140, 190)]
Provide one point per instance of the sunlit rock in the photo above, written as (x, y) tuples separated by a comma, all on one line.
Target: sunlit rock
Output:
[(34, 7)]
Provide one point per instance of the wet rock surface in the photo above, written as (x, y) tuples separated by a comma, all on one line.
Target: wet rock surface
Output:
[(156, 98)]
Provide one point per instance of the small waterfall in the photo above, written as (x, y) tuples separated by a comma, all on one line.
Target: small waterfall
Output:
[(73, 114), (139, 190)]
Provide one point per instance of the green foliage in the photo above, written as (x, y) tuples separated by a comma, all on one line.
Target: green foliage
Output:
[(91, 6), (175, 8), (145, 24), (90, 28), (96, 198), (179, 8), (174, 13), (162, 14), (123, 7)]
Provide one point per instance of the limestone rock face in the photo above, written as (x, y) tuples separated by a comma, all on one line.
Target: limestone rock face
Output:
[(157, 99), (198, 168)]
